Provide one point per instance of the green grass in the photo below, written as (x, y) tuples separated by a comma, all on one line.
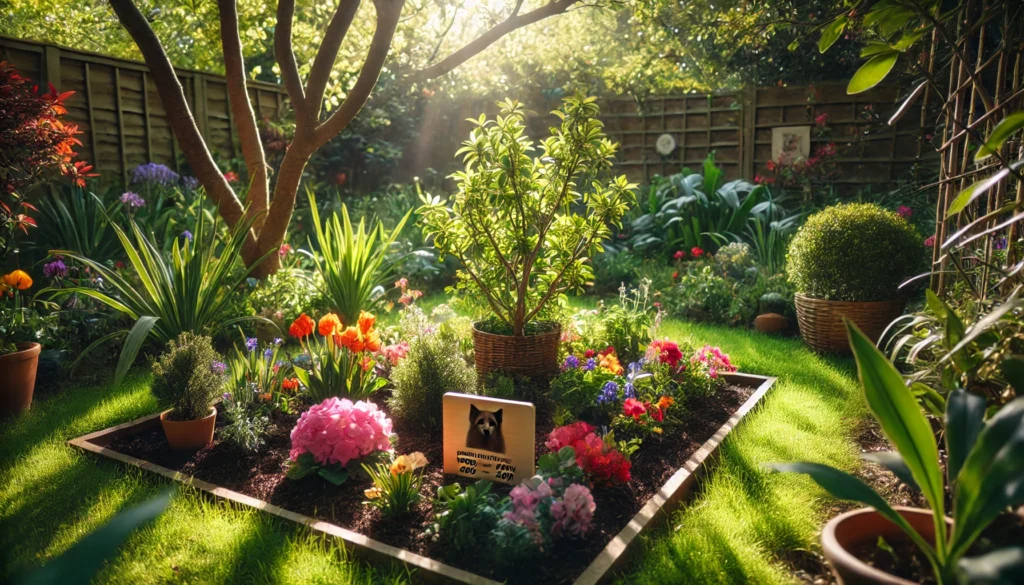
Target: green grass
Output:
[(737, 531)]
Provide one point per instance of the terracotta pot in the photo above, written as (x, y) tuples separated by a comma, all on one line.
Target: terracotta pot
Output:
[(771, 323), (534, 356), (18, 377), (864, 526), (821, 321), (189, 435)]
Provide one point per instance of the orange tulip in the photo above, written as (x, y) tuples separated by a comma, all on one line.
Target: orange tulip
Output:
[(351, 339), (301, 327), (366, 321), (329, 325), (372, 341), (18, 279)]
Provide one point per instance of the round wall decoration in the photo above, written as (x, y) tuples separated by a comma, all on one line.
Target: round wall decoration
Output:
[(665, 144)]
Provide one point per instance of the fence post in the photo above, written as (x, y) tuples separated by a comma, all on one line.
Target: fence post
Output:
[(748, 132), (51, 66)]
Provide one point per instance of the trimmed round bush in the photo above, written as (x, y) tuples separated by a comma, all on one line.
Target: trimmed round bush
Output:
[(432, 367), (854, 252), (185, 379)]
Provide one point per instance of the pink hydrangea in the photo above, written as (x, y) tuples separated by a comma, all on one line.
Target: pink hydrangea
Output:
[(338, 431), (567, 436), (573, 513)]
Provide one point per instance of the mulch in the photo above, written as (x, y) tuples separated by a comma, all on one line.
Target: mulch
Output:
[(263, 476)]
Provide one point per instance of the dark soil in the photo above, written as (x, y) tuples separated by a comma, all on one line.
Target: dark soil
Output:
[(263, 476)]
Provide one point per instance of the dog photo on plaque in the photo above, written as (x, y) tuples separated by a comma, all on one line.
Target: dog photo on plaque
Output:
[(489, 438)]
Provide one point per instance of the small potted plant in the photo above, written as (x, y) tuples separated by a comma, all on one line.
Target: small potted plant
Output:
[(848, 261), (188, 378), (984, 474), (523, 224), (772, 315), (19, 354)]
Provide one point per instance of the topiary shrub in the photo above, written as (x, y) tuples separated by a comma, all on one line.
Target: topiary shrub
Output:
[(432, 367), (854, 252), (185, 378)]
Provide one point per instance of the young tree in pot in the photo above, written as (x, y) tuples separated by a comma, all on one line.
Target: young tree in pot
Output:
[(848, 261), (187, 379), (984, 471), (513, 227)]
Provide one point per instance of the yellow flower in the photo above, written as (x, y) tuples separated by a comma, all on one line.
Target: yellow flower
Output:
[(373, 493), (611, 363), (18, 279), (408, 463)]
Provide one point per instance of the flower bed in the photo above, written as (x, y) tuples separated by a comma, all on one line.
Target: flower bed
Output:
[(662, 473)]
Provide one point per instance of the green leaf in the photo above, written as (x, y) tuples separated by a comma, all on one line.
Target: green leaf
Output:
[(844, 486), (81, 562), (986, 322), (965, 417), (872, 73), (999, 567), (335, 474), (979, 188), (132, 344), (901, 419), (1012, 369), (831, 33), (1000, 134), (892, 461), (931, 401)]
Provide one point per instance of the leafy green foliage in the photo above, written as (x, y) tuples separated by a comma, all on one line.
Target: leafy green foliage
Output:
[(352, 260), (512, 223), (464, 518), (854, 252), (984, 485), (431, 368), (184, 378)]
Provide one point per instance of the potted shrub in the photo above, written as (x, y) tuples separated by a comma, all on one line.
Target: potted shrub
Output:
[(984, 473), (524, 224), (848, 261), (772, 315), (19, 355), (188, 378)]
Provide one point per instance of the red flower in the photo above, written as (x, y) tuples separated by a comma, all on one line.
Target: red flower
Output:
[(696, 251), (770, 165), (290, 383), (656, 413), (634, 408), (821, 120), (566, 436), (679, 255), (589, 353), (341, 178), (302, 327), (231, 177), (675, 275), (607, 351), (284, 250), (668, 351)]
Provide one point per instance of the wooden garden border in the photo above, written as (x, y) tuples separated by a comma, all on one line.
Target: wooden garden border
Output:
[(611, 559)]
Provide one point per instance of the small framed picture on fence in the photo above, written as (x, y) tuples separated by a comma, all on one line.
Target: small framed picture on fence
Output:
[(791, 142)]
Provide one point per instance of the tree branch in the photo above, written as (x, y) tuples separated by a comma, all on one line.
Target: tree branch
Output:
[(388, 13), (285, 56), (180, 119), (327, 54), (242, 112), (492, 35)]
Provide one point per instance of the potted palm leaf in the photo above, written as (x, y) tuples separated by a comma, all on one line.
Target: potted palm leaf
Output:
[(523, 224), (984, 474)]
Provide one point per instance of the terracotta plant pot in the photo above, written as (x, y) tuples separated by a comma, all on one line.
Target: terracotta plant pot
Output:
[(189, 435), (771, 323), (18, 378), (821, 322), (535, 356), (864, 526)]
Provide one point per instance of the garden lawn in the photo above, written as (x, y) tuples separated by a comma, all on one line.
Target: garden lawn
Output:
[(737, 531)]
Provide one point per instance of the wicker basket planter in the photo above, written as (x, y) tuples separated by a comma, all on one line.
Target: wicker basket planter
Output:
[(821, 322), (535, 356)]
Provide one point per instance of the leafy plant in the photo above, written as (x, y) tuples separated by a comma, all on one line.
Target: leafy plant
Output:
[(773, 303), (352, 261), (396, 484), (432, 367), (627, 324), (465, 518), (78, 221), (189, 293), (185, 378), (984, 467), (854, 252), (247, 425), (254, 371), (19, 319), (511, 224)]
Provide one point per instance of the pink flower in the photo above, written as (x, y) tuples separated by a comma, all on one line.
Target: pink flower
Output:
[(929, 241), (574, 512), (904, 211), (231, 177), (679, 255), (665, 351), (566, 436), (821, 120), (396, 352), (338, 431), (633, 407), (402, 283)]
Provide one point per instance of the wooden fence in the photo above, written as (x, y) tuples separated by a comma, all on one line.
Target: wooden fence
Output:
[(124, 125), (119, 112)]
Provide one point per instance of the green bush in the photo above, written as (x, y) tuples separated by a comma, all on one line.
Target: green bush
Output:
[(432, 367), (185, 379), (854, 252)]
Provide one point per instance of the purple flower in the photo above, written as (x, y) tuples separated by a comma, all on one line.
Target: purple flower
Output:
[(190, 183), (154, 173), (630, 390), (218, 367), (609, 393), (268, 353), (571, 362), (590, 365), (278, 341), (55, 269), (187, 235), (251, 343), (226, 396), (132, 200), (1000, 244)]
